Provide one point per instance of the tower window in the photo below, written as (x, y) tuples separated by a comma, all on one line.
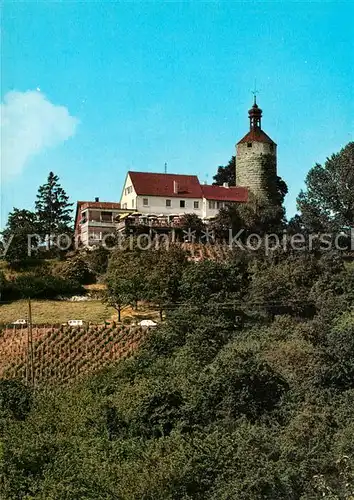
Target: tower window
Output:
[(249, 144)]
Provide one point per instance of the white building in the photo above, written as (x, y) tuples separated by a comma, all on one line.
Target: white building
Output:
[(175, 194)]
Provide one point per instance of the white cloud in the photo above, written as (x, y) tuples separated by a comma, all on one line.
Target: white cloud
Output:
[(30, 123)]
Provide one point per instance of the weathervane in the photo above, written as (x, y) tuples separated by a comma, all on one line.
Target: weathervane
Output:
[(255, 91)]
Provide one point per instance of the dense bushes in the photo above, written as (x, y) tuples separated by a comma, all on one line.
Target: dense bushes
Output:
[(15, 400), (36, 286), (248, 284), (208, 408), (75, 269), (260, 416)]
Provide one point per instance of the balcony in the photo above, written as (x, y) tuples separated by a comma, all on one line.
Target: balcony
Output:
[(149, 222), (98, 223)]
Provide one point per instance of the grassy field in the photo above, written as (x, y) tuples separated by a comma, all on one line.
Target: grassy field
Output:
[(56, 311)]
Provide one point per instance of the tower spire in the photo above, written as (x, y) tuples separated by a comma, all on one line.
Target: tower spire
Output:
[(255, 113)]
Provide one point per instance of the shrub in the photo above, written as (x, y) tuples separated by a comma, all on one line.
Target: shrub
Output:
[(4, 287), (75, 269), (42, 287), (97, 260), (15, 399)]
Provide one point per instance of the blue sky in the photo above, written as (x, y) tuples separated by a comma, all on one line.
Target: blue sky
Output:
[(132, 85)]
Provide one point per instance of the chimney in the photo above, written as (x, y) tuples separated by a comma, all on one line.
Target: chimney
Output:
[(225, 185), (97, 200), (175, 187)]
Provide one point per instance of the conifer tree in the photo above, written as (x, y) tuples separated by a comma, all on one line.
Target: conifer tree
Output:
[(53, 208)]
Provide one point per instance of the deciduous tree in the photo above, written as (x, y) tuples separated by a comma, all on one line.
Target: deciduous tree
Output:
[(21, 246), (226, 173), (327, 203)]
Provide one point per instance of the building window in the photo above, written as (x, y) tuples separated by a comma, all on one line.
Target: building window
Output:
[(168, 203), (211, 205), (125, 205), (249, 144), (128, 190), (196, 204), (132, 203), (106, 216), (145, 202), (220, 204), (182, 204)]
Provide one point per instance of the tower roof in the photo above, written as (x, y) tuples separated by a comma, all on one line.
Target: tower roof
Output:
[(256, 135)]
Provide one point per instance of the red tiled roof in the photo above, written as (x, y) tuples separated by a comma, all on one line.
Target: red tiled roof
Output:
[(152, 184), (106, 205), (220, 193), (256, 135)]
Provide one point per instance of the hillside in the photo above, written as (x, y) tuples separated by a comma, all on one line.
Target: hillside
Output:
[(244, 390)]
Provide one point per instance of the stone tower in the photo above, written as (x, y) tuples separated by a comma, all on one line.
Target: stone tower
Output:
[(256, 157)]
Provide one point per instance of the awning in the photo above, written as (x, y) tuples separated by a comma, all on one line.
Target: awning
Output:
[(123, 216)]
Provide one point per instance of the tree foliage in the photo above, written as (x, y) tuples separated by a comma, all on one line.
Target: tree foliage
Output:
[(53, 208), (76, 269), (327, 204), (20, 238), (207, 408), (226, 174)]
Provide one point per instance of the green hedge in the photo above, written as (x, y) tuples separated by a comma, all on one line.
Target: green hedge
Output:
[(39, 287)]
